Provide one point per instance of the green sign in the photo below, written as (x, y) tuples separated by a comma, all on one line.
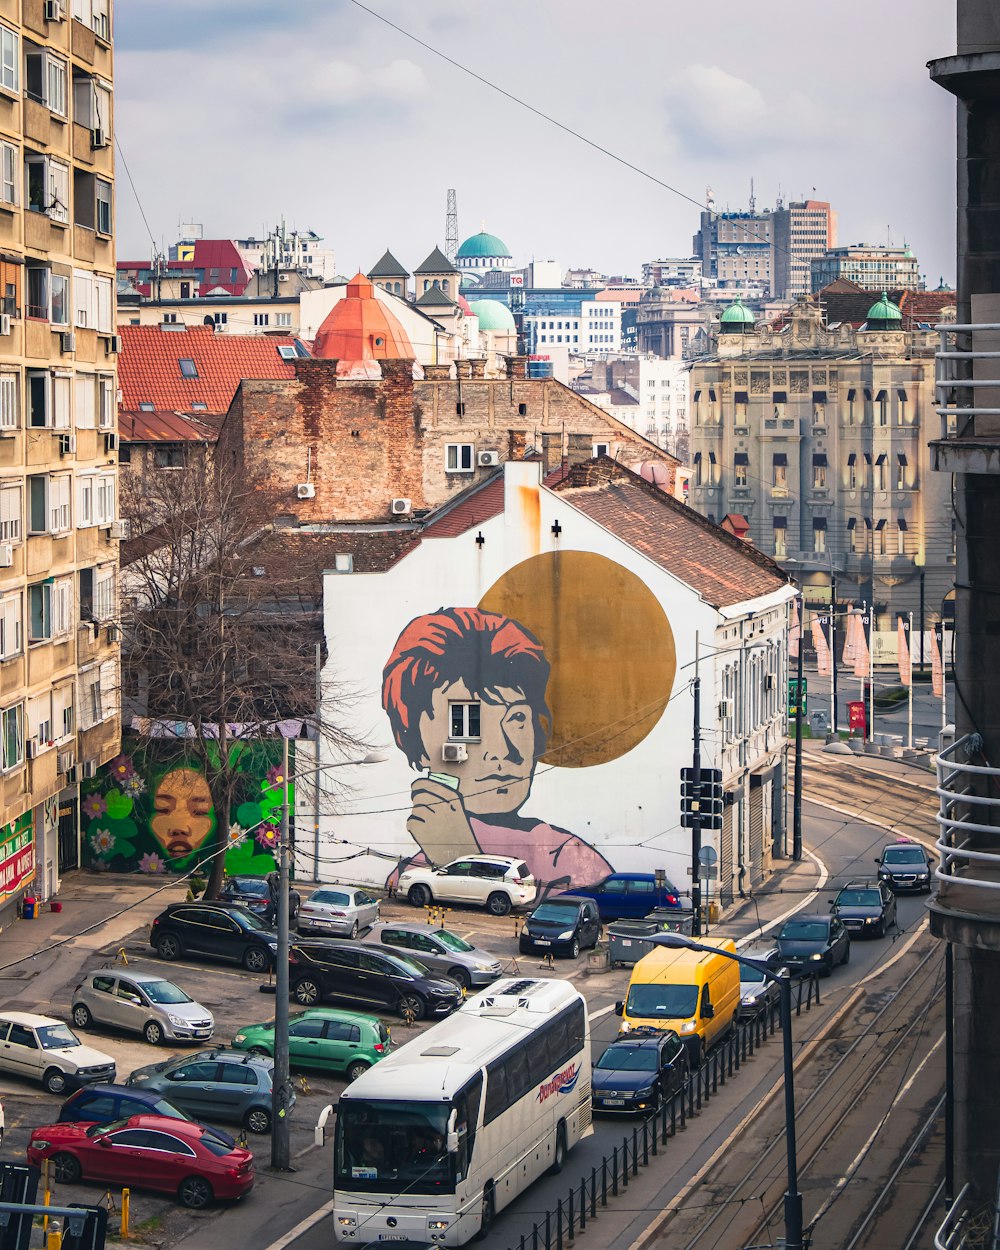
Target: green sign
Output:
[(793, 690)]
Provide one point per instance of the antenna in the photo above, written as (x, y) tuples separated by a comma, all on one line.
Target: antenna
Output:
[(451, 226), (753, 198)]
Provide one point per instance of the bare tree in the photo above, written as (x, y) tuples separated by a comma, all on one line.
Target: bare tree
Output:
[(219, 628)]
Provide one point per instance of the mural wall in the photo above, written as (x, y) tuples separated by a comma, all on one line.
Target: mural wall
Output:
[(150, 810), (17, 855)]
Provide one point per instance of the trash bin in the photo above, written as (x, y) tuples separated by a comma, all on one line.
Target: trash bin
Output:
[(28, 907), (628, 941), (673, 919), (818, 722)]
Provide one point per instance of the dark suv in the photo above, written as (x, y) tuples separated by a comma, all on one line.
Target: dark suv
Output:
[(562, 925), (638, 1071), (221, 931), (260, 895), (629, 895), (351, 972), (905, 866)]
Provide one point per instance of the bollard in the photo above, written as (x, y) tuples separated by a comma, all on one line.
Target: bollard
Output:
[(548, 1231), (614, 1174), (570, 1213), (126, 1204), (593, 1193), (53, 1238), (47, 1195), (583, 1203), (559, 1223)]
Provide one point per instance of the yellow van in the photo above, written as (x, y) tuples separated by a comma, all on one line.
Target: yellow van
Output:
[(692, 992)]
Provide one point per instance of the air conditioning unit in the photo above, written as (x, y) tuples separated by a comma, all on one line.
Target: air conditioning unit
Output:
[(401, 507), (725, 708), (30, 748), (454, 753), (488, 458), (306, 490), (99, 138), (282, 277), (111, 442), (64, 761), (88, 768), (67, 342), (114, 344), (67, 444), (54, 11), (120, 530), (5, 323), (768, 681), (6, 555)]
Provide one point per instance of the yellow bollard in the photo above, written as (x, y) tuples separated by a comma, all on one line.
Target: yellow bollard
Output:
[(47, 1196), (53, 1239), (126, 1197)]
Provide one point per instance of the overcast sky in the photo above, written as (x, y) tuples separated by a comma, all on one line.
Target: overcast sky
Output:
[(237, 112)]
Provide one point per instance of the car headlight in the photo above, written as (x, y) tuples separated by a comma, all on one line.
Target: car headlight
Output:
[(870, 920), (564, 937), (644, 1093), (688, 1027), (436, 1226), (138, 1078), (748, 1000), (40, 1145), (818, 955), (177, 1020), (239, 1037)]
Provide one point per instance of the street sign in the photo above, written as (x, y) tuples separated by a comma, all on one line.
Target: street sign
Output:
[(708, 855), (793, 689), (705, 873)]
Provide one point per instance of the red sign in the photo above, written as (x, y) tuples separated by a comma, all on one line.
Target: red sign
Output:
[(17, 870), (856, 718)]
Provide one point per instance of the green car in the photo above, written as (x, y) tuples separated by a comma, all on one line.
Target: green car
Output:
[(341, 1041)]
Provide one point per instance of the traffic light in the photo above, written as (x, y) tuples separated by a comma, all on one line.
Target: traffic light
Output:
[(701, 801)]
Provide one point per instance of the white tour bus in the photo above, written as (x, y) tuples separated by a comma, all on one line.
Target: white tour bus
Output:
[(441, 1134)]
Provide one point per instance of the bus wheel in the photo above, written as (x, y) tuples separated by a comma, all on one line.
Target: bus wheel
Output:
[(559, 1158), (489, 1211)]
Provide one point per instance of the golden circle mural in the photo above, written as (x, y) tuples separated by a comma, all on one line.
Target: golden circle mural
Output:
[(610, 646)]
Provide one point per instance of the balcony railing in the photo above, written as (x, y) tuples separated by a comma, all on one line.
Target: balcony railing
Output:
[(958, 377), (966, 1226), (969, 872)]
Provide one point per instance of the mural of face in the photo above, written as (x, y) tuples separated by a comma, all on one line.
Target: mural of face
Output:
[(496, 777), (182, 812)]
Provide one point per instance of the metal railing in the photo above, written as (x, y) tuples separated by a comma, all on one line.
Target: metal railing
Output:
[(954, 374), (968, 1225), (967, 845)]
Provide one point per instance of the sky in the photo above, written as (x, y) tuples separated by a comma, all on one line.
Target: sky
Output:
[(238, 113)]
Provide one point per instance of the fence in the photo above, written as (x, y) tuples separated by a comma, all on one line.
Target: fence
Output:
[(561, 1226)]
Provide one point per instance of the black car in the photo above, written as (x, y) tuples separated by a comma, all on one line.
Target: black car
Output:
[(813, 942), (220, 931), (905, 866), (563, 925), (351, 972), (104, 1104), (636, 1073), (260, 895), (866, 908)]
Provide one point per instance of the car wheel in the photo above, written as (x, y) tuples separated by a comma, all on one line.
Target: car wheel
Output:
[(489, 1212), (153, 1032), (65, 1168), (880, 931), (195, 1193), (307, 992), (420, 896), (498, 904), (412, 1005), (847, 955), (354, 931), (258, 1120), (559, 1157), (169, 947), (54, 1081), (574, 950), (82, 1017), (256, 959), (260, 1050), (355, 1069), (461, 976)]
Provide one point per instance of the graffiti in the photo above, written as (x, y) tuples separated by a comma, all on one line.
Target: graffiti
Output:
[(17, 854)]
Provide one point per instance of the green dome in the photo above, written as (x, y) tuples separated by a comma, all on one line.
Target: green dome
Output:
[(884, 311), (737, 317), (493, 315), (482, 244)]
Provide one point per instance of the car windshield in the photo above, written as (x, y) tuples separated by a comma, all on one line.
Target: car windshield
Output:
[(393, 1147), (564, 913), (903, 855), (253, 886), (452, 942), (662, 1002), (56, 1037), (748, 974), (250, 921), (859, 898), (164, 992), (804, 931), (330, 896), (405, 964), (162, 1107), (629, 1058)]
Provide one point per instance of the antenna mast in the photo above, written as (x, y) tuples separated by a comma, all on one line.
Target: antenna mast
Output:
[(451, 226)]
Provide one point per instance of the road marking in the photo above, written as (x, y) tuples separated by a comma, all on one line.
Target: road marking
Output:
[(863, 820), (877, 972), (303, 1226), (823, 878), (603, 1011)]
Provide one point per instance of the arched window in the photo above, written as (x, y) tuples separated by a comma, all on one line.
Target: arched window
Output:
[(444, 286)]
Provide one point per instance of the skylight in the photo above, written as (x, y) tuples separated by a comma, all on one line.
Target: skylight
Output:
[(188, 368)]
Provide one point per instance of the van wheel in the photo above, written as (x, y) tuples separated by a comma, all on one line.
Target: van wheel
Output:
[(498, 904), (559, 1158), (54, 1081), (489, 1212), (420, 896)]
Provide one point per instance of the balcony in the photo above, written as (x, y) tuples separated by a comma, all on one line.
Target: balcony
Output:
[(968, 399)]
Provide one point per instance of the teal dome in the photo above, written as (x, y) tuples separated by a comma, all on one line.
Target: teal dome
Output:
[(493, 316), (482, 244), (737, 318), (885, 312)]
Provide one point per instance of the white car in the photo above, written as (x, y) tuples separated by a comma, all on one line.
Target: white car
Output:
[(339, 910), (141, 1002), (47, 1050), (498, 882)]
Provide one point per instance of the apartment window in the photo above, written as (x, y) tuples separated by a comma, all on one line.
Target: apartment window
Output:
[(880, 537), (92, 103), (220, 318), (104, 604), (900, 470), (868, 470), (819, 407), (97, 694), (819, 471), (262, 319), (59, 302), (48, 187), (12, 733), (10, 60), (84, 299), (283, 319), (852, 531), (61, 400), (10, 406), (463, 720), (880, 463), (169, 456), (819, 535), (901, 536), (779, 529), (38, 292), (105, 401), (40, 718), (901, 416), (104, 218), (459, 457), (697, 469), (741, 463), (45, 76), (11, 505), (85, 501), (84, 401), (105, 324), (779, 470), (10, 162), (48, 504), (851, 395), (63, 718), (11, 626), (780, 399), (882, 400)]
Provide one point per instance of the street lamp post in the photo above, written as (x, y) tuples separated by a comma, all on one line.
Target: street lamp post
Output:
[(793, 1199)]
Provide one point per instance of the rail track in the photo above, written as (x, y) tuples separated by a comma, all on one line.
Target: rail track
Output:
[(892, 803)]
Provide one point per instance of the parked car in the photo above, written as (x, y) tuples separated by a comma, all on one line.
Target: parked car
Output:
[(564, 925), (629, 895), (44, 1049), (341, 1041), (498, 882), (259, 895), (215, 1084), (867, 908), (340, 911), (758, 993), (905, 866), (146, 1152), (813, 942), (141, 1002), (3, 1124), (439, 950), (220, 931), (104, 1104), (355, 973), (636, 1073)]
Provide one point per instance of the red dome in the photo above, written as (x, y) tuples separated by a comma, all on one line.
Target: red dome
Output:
[(359, 329)]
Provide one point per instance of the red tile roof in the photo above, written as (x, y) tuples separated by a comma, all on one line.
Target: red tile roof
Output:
[(164, 427), (475, 506), (149, 371)]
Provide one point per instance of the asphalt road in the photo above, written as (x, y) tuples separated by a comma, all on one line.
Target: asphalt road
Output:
[(926, 707)]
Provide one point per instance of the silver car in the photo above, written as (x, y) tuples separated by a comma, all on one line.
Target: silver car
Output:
[(439, 950), (757, 993), (340, 910), (141, 1002)]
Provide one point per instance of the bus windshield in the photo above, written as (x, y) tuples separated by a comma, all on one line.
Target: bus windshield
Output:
[(388, 1147), (662, 1002)]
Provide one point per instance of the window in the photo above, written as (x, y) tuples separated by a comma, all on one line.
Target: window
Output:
[(463, 720), (779, 470), (262, 319), (901, 536), (901, 417), (92, 103), (84, 401), (459, 457), (741, 468), (12, 731), (105, 401), (188, 368), (880, 537), (852, 471), (819, 471), (882, 399), (105, 324), (63, 720), (283, 319), (59, 299), (85, 501), (84, 299), (697, 468), (39, 714), (61, 400), (104, 217), (601, 449), (11, 505), (852, 531), (819, 535), (880, 475), (11, 626), (10, 60), (169, 456), (10, 406), (900, 470), (38, 291), (9, 164), (104, 499), (48, 187), (45, 77), (779, 525), (91, 702), (220, 318), (97, 593)]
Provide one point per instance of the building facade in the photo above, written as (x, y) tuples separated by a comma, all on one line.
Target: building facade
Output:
[(59, 529), (735, 248), (872, 268), (803, 230)]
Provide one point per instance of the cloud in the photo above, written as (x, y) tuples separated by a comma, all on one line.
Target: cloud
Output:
[(341, 83)]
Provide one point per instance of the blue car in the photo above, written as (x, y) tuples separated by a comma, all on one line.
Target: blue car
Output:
[(629, 895)]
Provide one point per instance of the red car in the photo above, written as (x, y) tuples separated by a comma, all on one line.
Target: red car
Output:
[(147, 1152)]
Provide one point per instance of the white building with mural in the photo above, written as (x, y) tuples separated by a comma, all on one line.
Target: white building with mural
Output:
[(547, 629)]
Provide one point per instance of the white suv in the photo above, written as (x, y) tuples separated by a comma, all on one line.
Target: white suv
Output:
[(499, 882), (47, 1050)]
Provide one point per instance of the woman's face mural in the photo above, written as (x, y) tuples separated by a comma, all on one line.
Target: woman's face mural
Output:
[(183, 816)]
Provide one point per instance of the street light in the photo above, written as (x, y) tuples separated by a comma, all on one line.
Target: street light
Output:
[(280, 1147), (793, 1199)]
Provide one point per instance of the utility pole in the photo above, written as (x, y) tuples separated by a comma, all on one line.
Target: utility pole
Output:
[(833, 650), (921, 622), (280, 1082), (797, 800), (701, 800)]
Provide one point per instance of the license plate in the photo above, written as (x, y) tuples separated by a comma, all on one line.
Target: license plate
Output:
[(392, 1236), (613, 1102), (542, 942)]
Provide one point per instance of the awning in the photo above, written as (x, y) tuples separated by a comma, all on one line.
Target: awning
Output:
[(819, 460), (881, 397), (741, 457), (711, 457), (868, 522), (852, 459), (868, 457), (880, 525), (868, 393), (851, 395), (901, 457), (901, 395), (711, 396), (852, 522), (902, 523), (881, 458), (780, 459), (696, 457), (697, 396)]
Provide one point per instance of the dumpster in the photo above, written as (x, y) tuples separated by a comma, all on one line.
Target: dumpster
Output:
[(628, 941), (28, 906), (673, 919)]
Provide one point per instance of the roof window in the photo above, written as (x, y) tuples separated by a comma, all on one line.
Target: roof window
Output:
[(188, 368)]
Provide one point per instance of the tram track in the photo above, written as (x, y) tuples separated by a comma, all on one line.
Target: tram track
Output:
[(897, 805)]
